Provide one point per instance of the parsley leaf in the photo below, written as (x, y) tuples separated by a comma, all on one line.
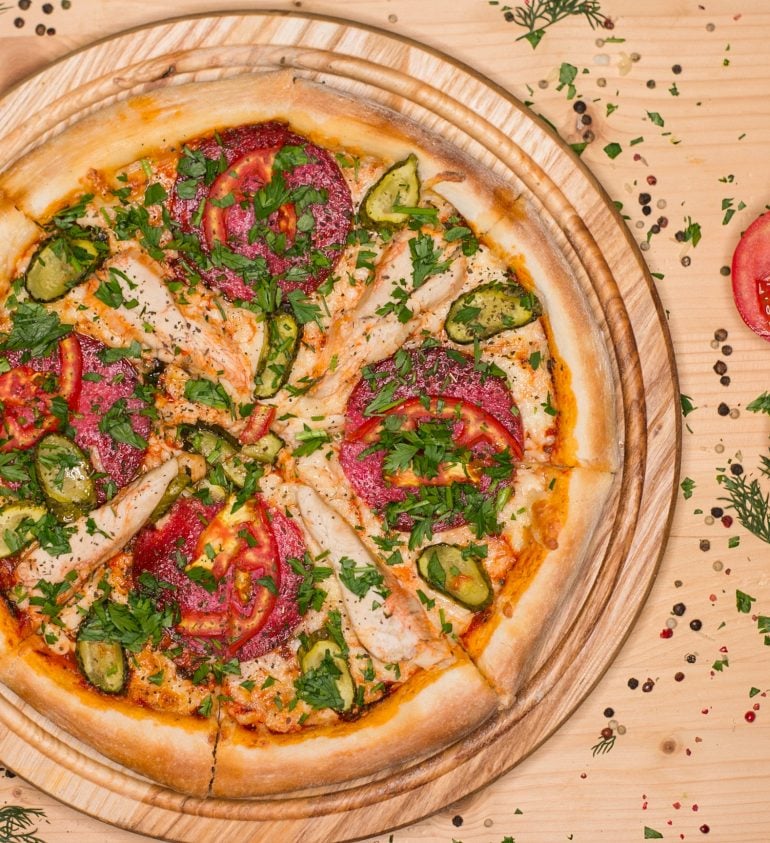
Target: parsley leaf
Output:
[(35, 329), (207, 392), (116, 422)]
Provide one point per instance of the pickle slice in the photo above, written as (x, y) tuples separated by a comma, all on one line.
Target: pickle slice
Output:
[(103, 663), (397, 187), (11, 517), (283, 343), (490, 309), (61, 263), (461, 578), (64, 474), (314, 662), (173, 491), (265, 449)]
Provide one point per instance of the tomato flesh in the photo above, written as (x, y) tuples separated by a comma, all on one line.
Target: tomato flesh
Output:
[(27, 398), (239, 548), (237, 184), (473, 427), (258, 424), (751, 276)]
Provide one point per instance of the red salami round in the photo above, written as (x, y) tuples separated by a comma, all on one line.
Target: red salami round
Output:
[(268, 195), (116, 382), (212, 611), (434, 384)]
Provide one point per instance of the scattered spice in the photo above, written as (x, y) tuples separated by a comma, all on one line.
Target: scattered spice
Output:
[(633, 684), (679, 609), (696, 625)]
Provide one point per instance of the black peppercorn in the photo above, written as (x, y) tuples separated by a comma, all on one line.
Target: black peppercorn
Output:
[(691, 658), (579, 106), (723, 409), (696, 625), (677, 68), (736, 468), (679, 236), (47, 8), (717, 511), (704, 545), (645, 198), (720, 335), (18, 22), (648, 686), (609, 712), (646, 210), (633, 684), (24, 4), (720, 367), (586, 120), (725, 380), (508, 16), (727, 350), (679, 609), (457, 821)]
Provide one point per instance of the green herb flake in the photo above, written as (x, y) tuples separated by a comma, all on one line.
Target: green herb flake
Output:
[(687, 485), (743, 601), (612, 150)]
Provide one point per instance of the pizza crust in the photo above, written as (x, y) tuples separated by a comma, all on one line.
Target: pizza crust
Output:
[(173, 749), (430, 712), (507, 648)]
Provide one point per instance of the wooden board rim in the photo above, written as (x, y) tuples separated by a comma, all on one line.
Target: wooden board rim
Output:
[(585, 173)]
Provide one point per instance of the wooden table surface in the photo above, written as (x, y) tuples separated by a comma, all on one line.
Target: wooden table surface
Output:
[(682, 87)]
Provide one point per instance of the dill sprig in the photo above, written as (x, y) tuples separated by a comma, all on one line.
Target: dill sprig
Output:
[(604, 746), (537, 15), (16, 824), (748, 499)]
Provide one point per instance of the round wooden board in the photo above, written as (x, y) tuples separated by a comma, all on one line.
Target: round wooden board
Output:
[(453, 101)]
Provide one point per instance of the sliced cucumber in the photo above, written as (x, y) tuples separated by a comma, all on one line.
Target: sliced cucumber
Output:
[(11, 518), (64, 474), (282, 343), (490, 309), (62, 262), (173, 491), (211, 492), (400, 185), (461, 578), (218, 447), (314, 662), (264, 449), (103, 663)]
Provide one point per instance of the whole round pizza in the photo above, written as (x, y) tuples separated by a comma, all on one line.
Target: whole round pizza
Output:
[(305, 430)]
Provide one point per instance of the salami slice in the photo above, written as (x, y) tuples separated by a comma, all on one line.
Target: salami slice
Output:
[(427, 373), (164, 551), (99, 386), (275, 199), (116, 381)]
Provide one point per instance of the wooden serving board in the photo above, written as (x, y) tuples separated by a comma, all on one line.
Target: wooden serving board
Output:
[(451, 100)]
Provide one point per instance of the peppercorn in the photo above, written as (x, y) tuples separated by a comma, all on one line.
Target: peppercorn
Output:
[(663, 222), (685, 261), (579, 106), (648, 686), (691, 658), (457, 821), (651, 180), (40, 29), (646, 210), (50, 31), (704, 545), (725, 380), (720, 367), (737, 469), (586, 120), (679, 609), (645, 198), (655, 228), (18, 22), (606, 733), (720, 335), (677, 68), (47, 8), (24, 4), (679, 236), (508, 16), (609, 712), (723, 409), (717, 511), (725, 270), (650, 83), (727, 350), (679, 676), (633, 684), (696, 625)]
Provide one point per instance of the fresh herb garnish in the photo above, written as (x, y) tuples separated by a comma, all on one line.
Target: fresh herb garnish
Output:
[(751, 504), (130, 624), (35, 329), (309, 596), (116, 422), (537, 15), (361, 578), (207, 392)]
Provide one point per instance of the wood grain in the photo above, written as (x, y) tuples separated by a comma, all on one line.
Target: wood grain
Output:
[(475, 115), (484, 120)]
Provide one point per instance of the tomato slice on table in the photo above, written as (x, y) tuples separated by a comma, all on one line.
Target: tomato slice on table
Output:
[(751, 276), (27, 395)]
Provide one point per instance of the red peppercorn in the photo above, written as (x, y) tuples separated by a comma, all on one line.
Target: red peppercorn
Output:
[(750, 716), (606, 733), (727, 520), (705, 829), (651, 180), (666, 633)]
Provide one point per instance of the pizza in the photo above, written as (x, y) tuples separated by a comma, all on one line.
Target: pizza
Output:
[(306, 431)]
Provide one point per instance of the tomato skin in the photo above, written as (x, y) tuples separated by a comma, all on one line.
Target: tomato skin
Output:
[(258, 424), (751, 276), (477, 425), (26, 405), (247, 552)]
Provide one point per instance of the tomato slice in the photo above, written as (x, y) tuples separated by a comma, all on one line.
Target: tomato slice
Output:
[(240, 550), (476, 424), (473, 427), (258, 424), (238, 183), (27, 397), (751, 276)]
